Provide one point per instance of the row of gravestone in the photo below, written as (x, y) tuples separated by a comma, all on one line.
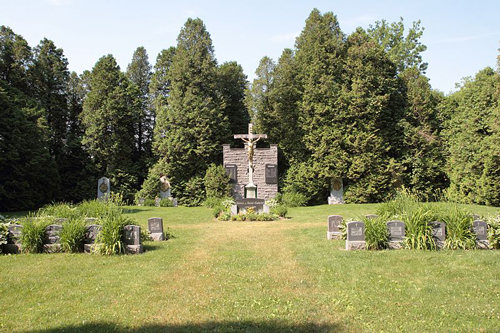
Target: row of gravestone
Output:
[(396, 232), (131, 236)]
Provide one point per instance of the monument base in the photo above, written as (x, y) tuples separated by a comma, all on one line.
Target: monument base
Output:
[(157, 236), (243, 204), (483, 244), (52, 248), (250, 191), (333, 235), (395, 245), (335, 201), (134, 249), (355, 245)]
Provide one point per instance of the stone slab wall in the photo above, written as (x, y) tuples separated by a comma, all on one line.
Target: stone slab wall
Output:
[(262, 156)]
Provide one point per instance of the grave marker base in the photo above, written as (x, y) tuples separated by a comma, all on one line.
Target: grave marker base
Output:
[(355, 245), (333, 235), (134, 249), (12, 248), (157, 236)]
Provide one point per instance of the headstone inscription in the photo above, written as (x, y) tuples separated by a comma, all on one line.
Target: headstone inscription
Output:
[(336, 192), (91, 233), (438, 232), (103, 188), (132, 239), (334, 222), (271, 174), (155, 227), (355, 236), (51, 244), (13, 239), (396, 231), (480, 228)]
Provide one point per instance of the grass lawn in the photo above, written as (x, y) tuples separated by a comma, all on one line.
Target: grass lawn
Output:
[(252, 276)]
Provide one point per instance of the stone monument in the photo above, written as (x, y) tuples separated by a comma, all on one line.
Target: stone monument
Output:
[(253, 171), (90, 236), (103, 188), (132, 239), (355, 236), (52, 239), (396, 230), (438, 233), (155, 227), (336, 192), (13, 239), (334, 222), (164, 187), (480, 229)]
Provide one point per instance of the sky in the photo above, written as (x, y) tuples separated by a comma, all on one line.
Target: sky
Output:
[(462, 37)]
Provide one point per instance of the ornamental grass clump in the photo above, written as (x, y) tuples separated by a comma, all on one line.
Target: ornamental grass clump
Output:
[(72, 235), (109, 240), (459, 233), (33, 235), (58, 210), (376, 235), (494, 233), (418, 229)]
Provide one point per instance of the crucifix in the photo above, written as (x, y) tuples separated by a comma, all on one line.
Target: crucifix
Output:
[(250, 140)]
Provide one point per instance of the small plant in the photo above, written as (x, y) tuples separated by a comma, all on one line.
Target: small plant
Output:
[(217, 210), (73, 235), (494, 234), (109, 239), (4, 231), (273, 202), (280, 210), (145, 235), (225, 216), (294, 199), (33, 235), (418, 230), (166, 202), (376, 235), (149, 202), (227, 203), (61, 210)]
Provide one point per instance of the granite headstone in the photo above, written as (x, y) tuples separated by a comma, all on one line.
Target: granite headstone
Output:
[(155, 227), (334, 222)]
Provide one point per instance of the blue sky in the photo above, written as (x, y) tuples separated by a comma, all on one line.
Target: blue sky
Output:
[(462, 37)]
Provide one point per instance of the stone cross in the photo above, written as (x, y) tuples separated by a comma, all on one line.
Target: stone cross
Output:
[(250, 140)]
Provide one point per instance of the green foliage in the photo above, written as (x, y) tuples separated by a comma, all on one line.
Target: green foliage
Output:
[(109, 239), (33, 235), (149, 202), (293, 199), (145, 235), (216, 182), (4, 232), (59, 210), (194, 192), (376, 234), (280, 210), (151, 186), (73, 235), (494, 233), (418, 229), (98, 209), (166, 202)]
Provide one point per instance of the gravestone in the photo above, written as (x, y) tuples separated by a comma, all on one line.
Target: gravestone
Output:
[(164, 187), (336, 192), (90, 236), (480, 228), (13, 239), (140, 202), (355, 236), (103, 188), (51, 244), (334, 222), (396, 231), (155, 227), (157, 202), (132, 239), (232, 172), (271, 174), (438, 232)]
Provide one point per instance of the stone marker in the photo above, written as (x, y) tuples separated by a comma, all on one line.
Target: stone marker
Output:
[(480, 228), (244, 204), (132, 239), (334, 222), (155, 227), (51, 244), (438, 232), (396, 231), (90, 236), (355, 236), (336, 192), (13, 239), (141, 202), (157, 202), (103, 188)]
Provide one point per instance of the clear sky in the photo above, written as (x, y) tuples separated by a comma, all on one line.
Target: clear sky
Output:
[(462, 37)]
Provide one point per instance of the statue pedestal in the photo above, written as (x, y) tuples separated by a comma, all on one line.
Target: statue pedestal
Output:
[(251, 191)]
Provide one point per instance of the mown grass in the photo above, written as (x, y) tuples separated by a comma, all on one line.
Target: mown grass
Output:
[(252, 276)]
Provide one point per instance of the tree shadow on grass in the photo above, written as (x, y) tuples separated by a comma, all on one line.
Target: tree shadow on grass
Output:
[(232, 326)]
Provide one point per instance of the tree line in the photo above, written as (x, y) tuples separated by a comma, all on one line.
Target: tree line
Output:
[(357, 107)]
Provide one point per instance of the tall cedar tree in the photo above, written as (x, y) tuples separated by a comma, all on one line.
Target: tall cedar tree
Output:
[(473, 135), (110, 119), (139, 73), (195, 125), (257, 98)]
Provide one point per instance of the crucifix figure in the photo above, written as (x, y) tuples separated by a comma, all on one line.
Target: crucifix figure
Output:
[(250, 140)]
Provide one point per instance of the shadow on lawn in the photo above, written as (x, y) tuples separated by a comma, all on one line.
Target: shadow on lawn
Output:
[(236, 326)]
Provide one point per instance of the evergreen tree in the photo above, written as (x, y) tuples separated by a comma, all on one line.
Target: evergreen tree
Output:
[(109, 116), (232, 85), (15, 58), (257, 99), (194, 125)]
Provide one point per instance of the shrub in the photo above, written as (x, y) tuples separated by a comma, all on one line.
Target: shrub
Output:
[(494, 234), (33, 235), (217, 182), (145, 235), (418, 230), (216, 210), (109, 239), (194, 193), (98, 209), (376, 235), (459, 233), (149, 202), (61, 210), (294, 199), (280, 210), (73, 235), (166, 202), (4, 232), (225, 216)]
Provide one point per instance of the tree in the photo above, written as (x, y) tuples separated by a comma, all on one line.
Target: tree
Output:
[(110, 116), (232, 85), (257, 98), (194, 125), (15, 58)]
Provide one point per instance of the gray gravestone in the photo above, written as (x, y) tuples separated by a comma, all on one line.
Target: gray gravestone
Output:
[(90, 236), (355, 236), (103, 188), (271, 174), (336, 192), (396, 231), (132, 239), (155, 227), (334, 222), (157, 202), (164, 187), (13, 239), (52, 238), (232, 172), (480, 228), (438, 232)]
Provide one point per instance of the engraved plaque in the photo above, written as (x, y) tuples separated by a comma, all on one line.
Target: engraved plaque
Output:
[(271, 174), (231, 171)]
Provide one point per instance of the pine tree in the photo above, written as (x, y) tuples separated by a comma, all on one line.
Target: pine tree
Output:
[(257, 99), (109, 116), (15, 58)]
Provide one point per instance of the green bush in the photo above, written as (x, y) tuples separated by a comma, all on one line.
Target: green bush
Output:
[(109, 239), (294, 199), (225, 216), (217, 182), (194, 193), (376, 235), (60, 210), (166, 202), (149, 202), (494, 234), (216, 210), (418, 229), (73, 235), (98, 209), (33, 235), (4, 232), (280, 210), (459, 233)]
